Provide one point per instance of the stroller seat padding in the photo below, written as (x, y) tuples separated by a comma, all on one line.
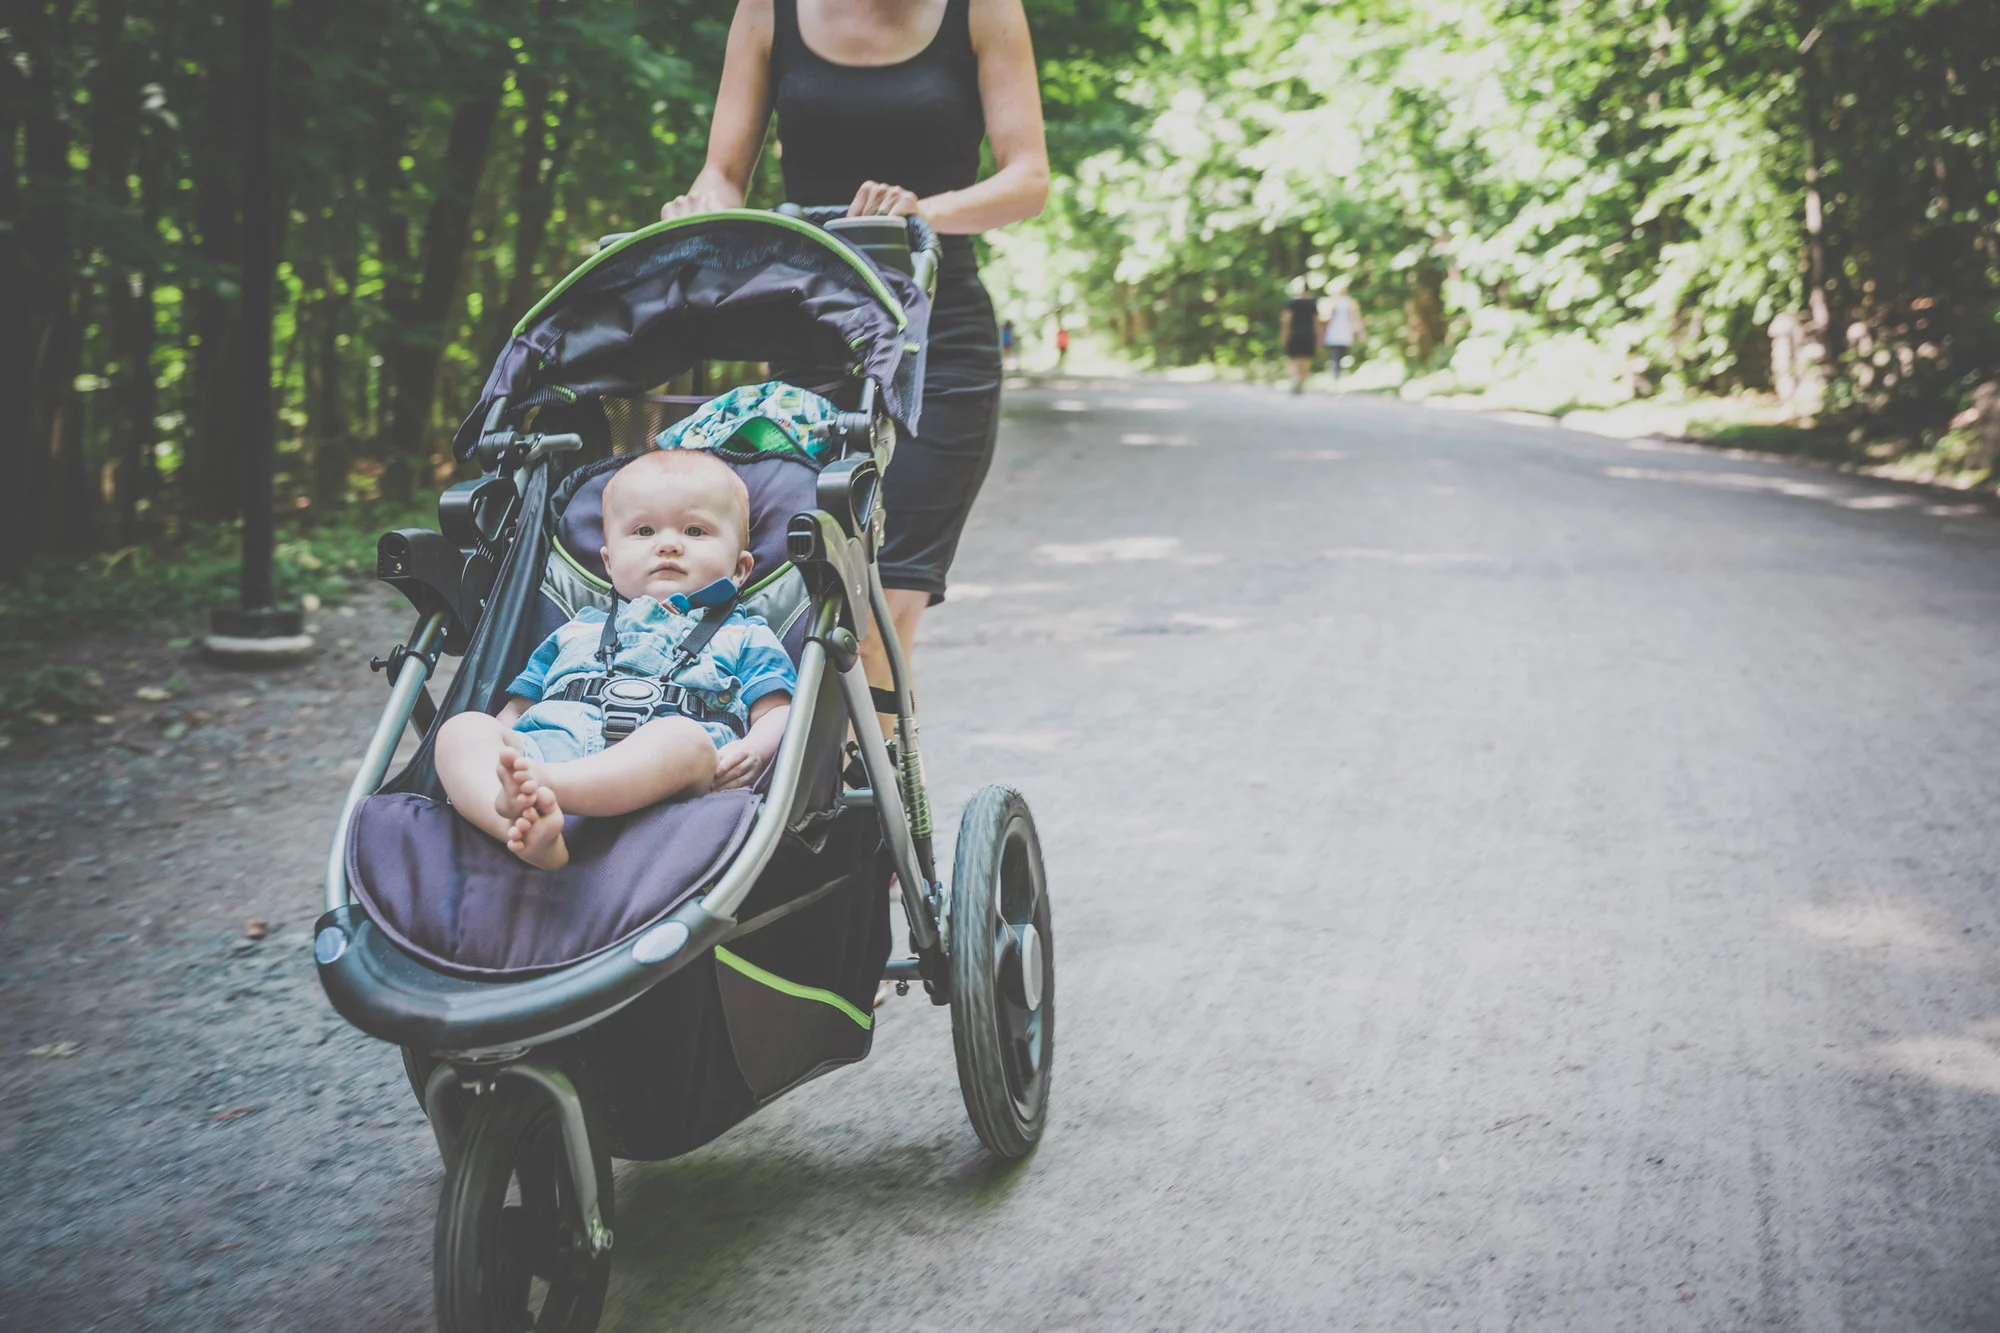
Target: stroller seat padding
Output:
[(457, 899)]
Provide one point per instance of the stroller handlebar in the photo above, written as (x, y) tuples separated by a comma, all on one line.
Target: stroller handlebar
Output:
[(871, 233), (925, 250)]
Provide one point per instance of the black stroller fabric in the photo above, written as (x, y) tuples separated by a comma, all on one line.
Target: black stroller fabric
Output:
[(734, 287), (711, 1043)]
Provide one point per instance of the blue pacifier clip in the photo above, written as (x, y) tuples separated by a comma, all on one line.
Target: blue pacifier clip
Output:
[(715, 594)]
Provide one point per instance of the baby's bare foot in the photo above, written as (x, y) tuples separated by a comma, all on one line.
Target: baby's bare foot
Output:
[(537, 835), (518, 784)]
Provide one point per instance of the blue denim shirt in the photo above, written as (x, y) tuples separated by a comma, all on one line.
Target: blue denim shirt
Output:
[(741, 664)]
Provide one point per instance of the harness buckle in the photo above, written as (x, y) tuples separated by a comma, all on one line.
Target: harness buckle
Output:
[(630, 702)]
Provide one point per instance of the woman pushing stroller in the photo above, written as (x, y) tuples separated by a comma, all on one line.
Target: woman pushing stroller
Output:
[(676, 529), (885, 103)]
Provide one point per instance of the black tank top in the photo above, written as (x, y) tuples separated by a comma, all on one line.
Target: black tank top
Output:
[(917, 123)]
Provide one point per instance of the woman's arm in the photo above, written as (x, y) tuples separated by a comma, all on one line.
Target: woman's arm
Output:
[(742, 114), (1012, 98)]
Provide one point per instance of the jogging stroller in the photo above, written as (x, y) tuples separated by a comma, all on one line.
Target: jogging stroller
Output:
[(694, 960)]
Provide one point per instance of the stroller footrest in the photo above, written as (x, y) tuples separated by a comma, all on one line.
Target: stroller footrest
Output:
[(389, 994)]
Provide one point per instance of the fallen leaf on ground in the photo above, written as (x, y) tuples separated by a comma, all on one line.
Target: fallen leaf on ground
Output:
[(234, 1113), (253, 929), (55, 1049), (152, 694), (46, 719), (104, 719), (227, 1245)]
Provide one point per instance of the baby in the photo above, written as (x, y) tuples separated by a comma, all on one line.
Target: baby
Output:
[(675, 521)]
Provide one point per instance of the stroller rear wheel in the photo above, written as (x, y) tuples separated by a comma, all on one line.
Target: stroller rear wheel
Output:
[(1003, 994), (511, 1252)]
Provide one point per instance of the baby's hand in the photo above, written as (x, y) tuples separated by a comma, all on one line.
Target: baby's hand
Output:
[(737, 764)]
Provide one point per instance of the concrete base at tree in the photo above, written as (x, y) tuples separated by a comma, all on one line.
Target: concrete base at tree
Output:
[(234, 650)]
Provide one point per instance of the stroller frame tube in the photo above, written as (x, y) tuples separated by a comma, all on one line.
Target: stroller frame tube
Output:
[(889, 805), (551, 1083), (737, 881), (411, 678), (916, 797)]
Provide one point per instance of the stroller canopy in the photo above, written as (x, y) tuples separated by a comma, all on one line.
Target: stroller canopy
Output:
[(737, 285)]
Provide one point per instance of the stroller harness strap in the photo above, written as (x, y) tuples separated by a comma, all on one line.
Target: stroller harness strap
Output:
[(630, 702)]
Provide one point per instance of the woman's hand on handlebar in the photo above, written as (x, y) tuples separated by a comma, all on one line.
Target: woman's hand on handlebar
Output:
[(704, 196), (875, 199)]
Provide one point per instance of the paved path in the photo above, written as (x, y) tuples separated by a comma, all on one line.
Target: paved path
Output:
[(1503, 879)]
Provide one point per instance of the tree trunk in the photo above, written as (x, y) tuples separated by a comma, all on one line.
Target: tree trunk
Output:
[(327, 424), (133, 398), (17, 341), (534, 198), (215, 434), (1827, 325), (412, 358), (54, 413), (1426, 309), (115, 134)]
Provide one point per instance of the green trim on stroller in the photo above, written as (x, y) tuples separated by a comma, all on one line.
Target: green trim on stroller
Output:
[(793, 988), (861, 266)]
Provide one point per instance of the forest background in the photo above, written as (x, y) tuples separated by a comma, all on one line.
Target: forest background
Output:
[(1661, 198)]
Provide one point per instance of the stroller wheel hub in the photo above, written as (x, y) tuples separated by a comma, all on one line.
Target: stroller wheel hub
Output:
[(1028, 951)]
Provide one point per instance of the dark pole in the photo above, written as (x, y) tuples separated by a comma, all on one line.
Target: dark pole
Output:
[(257, 617), (258, 262)]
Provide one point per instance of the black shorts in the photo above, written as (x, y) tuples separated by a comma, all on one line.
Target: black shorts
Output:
[(935, 476), (1301, 347)]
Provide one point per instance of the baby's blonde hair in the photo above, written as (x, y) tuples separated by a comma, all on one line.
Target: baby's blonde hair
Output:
[(685, 463)]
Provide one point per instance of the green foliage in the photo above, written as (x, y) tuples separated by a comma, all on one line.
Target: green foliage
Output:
[(172, 586), (45, 697), (1490, 174), (1502, 183)]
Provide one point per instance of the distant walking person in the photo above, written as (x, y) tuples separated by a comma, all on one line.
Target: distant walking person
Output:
[(1062, 346), (1007, 345), (1343, 328), (1298, 330)]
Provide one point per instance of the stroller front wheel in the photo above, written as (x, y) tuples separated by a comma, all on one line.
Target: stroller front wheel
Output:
[(511, 1251), (1003, 997)]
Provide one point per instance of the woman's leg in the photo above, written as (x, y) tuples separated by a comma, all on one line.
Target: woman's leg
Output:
[(906, 608), (934, 477)]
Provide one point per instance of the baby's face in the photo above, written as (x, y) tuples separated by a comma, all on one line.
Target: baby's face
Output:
[(671, 532)]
